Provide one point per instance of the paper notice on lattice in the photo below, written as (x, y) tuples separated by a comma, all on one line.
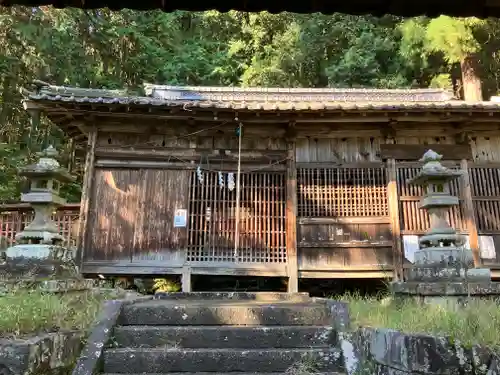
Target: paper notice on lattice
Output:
[(410, 245), (487, 247)]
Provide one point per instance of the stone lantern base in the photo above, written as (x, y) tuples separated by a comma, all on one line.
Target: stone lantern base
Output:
[(446, 293), (47, 267)]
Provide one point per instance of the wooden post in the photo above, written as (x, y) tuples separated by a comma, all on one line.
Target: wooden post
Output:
[(393, 200), (291, 221), (88, 179), (469, 214)]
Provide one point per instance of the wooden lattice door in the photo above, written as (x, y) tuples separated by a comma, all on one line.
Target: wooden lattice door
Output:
[(212, 219)]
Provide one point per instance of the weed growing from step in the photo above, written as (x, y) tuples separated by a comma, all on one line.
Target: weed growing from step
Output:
[(479, 322), (27, 313), (306, 366)]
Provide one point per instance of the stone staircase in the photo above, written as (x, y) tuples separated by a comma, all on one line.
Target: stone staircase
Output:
[(225, 333)]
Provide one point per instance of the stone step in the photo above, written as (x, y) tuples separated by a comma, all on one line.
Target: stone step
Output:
[(153, 360), (225, 337), (238, 373), (174, 313), (236, 296)]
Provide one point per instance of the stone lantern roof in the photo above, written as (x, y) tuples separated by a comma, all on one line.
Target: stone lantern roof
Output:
[(433, 171), (47, 167)]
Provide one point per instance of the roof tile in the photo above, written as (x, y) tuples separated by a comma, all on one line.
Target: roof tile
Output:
[(267, 99)]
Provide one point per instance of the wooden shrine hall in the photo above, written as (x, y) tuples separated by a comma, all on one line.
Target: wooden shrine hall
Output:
[(295, 183)]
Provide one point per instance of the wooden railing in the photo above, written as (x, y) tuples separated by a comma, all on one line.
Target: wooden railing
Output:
[(14, 217)]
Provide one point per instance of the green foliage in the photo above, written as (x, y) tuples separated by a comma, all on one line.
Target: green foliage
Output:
[(105, 49), (25, 312), (165, 286)]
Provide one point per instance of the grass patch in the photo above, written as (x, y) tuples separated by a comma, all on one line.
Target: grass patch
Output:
[(479, 322), (25, 313)]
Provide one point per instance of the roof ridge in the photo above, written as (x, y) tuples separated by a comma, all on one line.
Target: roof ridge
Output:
[(231, 89)]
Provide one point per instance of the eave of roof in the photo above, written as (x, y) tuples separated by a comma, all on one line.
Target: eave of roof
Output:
[(265, 99), (409, 8)]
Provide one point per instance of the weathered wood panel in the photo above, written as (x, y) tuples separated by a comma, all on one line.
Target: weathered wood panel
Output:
[(114, 209), (262, 219), (348, 149), (485, 149), (132, 216), (352, 258), (343, 234), (155, 237), (195, 139), (338, 150), (413, 219), (415, 152)]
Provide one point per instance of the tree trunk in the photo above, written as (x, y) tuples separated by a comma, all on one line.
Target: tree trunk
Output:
[(471, 82)]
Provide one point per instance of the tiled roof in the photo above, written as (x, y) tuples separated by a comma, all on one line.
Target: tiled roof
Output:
[(267, 99)]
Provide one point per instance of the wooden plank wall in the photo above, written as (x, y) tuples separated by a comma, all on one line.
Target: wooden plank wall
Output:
[(131, 215), (349, 150), (154, 141), (147, 195)]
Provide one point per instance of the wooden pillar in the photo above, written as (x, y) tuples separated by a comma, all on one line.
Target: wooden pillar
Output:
[(291, 221), (393, 201), (88, 179), (469, 214)]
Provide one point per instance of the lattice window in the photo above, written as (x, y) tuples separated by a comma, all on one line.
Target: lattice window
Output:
[(212, 219), (485, 189), (415, 220), (342, 192)]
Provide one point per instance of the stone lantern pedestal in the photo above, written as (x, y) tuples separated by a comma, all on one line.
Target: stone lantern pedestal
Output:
[(39, 257), (444, 269)]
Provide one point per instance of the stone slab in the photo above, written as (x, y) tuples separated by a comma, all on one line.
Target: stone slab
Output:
[(245, 296), (224, 337), (225, 312), (28, 261), (444, 257), (390, 352), (140, 360), (446, 288), (238, 373), (49, 286), (442, 273), (339, 313), (41, 354)]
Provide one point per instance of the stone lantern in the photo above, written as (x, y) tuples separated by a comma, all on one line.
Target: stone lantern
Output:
[(39, 254), (443, 265)]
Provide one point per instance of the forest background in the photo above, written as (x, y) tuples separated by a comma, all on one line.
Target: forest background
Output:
[(117, 50)]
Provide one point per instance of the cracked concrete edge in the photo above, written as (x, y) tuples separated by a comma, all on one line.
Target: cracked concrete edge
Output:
[(90, 359), (339, 311), (53, 351), (395, 352)]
